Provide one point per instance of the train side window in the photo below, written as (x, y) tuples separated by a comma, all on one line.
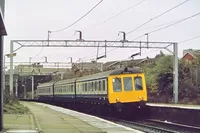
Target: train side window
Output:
[(95, 85), (99, 85), (65, 89), (77, 88), (138, 83), (86, 87), (72, 88), (128, 84), (104, 85), (117, 84), (83, 87), (92, 86)]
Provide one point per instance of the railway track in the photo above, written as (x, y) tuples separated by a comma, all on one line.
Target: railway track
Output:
[(175, 126), (156, 126)]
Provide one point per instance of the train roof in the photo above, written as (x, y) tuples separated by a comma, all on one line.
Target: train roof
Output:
[(97, 76), (46, 84), (102, 75)]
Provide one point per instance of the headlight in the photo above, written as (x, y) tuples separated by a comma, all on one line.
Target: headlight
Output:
[(141, 98), (117, 99)]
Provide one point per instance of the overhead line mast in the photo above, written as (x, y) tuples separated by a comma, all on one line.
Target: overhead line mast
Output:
[(99, 43)]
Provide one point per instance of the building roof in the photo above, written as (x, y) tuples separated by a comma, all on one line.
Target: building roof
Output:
[(193, 52), (37, 70), (88, 65), (125, 62)]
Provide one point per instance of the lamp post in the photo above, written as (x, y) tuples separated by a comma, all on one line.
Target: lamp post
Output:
[(4, 72)]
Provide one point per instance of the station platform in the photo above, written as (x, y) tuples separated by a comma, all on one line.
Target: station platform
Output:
[(181, 106), (52, 119)]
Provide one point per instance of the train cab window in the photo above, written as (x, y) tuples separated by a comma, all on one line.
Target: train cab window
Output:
[(117, 86), (138, 83), (128, 84)]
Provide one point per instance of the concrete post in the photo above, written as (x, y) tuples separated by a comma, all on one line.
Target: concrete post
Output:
[(175, 77), (1, 78), (16, 88), (2, 7), (32, 92), (11, 69), (24, 91)]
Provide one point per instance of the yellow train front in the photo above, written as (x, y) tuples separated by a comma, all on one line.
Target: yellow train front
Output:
[(127, 87), (122, 88)]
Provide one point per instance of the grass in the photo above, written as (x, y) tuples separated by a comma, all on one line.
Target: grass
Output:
[(15, 108)]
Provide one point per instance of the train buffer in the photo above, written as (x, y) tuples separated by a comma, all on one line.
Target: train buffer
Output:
[(52, 119)]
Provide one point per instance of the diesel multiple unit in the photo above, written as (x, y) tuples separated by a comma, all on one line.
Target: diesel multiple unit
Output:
[(119, 86)]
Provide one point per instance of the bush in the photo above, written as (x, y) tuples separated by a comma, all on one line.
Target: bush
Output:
[(159, 79), (15, 108)]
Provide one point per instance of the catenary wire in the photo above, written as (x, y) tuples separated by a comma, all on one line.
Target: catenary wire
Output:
[(118, 14), (182, 20), (157, 16), (184, 41), (79, 18), (152, 20)]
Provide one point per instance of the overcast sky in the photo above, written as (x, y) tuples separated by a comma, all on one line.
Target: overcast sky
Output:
[(31, 19)]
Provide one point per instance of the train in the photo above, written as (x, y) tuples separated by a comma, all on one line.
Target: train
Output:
[(119, 89)]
